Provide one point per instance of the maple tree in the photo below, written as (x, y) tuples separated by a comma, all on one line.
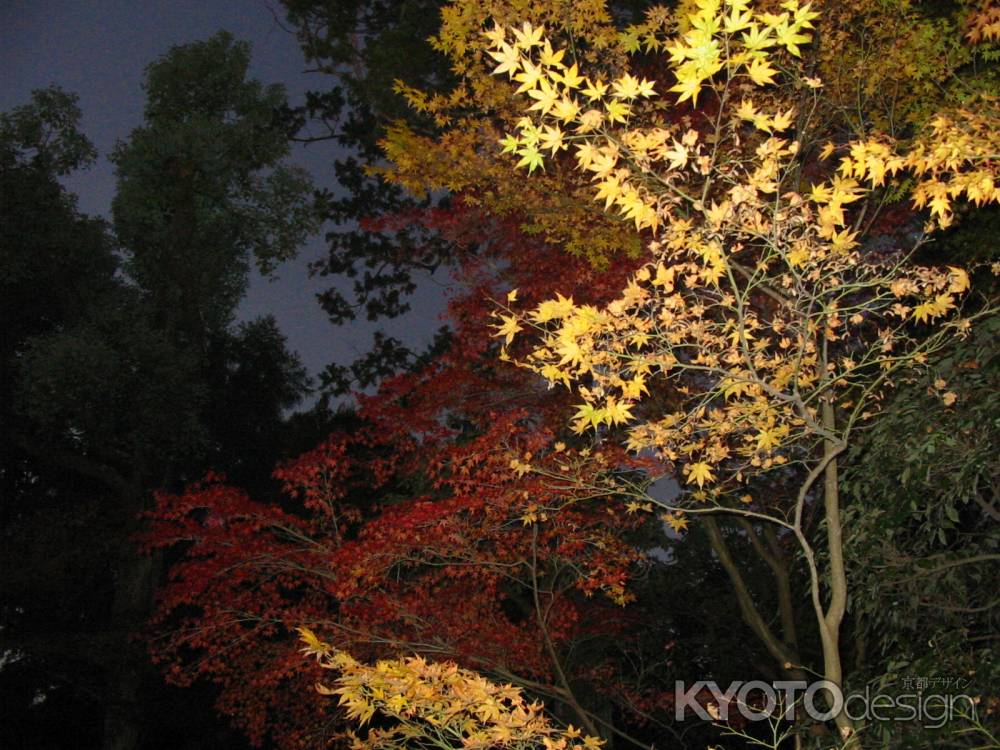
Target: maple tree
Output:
[(758, 302), (412, 508)]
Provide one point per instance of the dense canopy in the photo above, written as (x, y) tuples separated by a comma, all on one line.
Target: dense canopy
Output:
[(714, 403)]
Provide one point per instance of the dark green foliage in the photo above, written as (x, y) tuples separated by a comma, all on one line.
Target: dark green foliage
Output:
[(114, 387), (924, 532), (122, 374), (252, 380), (202, 188), (45, 135), (52, 259)]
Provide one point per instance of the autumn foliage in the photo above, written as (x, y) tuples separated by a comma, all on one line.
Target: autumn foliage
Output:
[(411, 530), (734, 307), (759, 303), (436, 705)]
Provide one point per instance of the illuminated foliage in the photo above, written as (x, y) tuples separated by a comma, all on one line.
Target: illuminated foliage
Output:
[(436, 705), (766, 294), (410, 529), (760, 303), (759, 292)]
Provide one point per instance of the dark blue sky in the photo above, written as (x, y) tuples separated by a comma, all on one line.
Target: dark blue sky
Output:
[(99, 48)]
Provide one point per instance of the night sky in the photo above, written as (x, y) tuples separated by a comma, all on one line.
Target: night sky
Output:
[(98, 49)]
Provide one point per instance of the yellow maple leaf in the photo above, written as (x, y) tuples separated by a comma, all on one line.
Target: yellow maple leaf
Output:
[(313, 644), (509, 59), (677, 155), (595, 89), (734, 387), (746, 110), (737, 20), (497, 35), (844, 240), (676, 521), (761, 72), (688, 88), (545, 95), (664, 277), (529, 76), (699, 473), (789, 36), (769, 439), (509, 328), (587, 415), (590, 120), (821, 193), (757, 38), (549, 57), (586, 152), (604, 161), (529, 36), (617, 412), (940, 205), (552, 139), (609, 189), (930, 309), (630, 87), (798, 256), (565, 109), (618, 111), (531, 158), (570, 78), (959, 280), (783, 120), (716, 214), (569, 348), (559, 307)]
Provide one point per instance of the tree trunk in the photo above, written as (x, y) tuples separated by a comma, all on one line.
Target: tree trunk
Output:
[(830, 623), (128, 669)]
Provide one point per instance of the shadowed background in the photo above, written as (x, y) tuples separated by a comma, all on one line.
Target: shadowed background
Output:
[(99, 50)]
